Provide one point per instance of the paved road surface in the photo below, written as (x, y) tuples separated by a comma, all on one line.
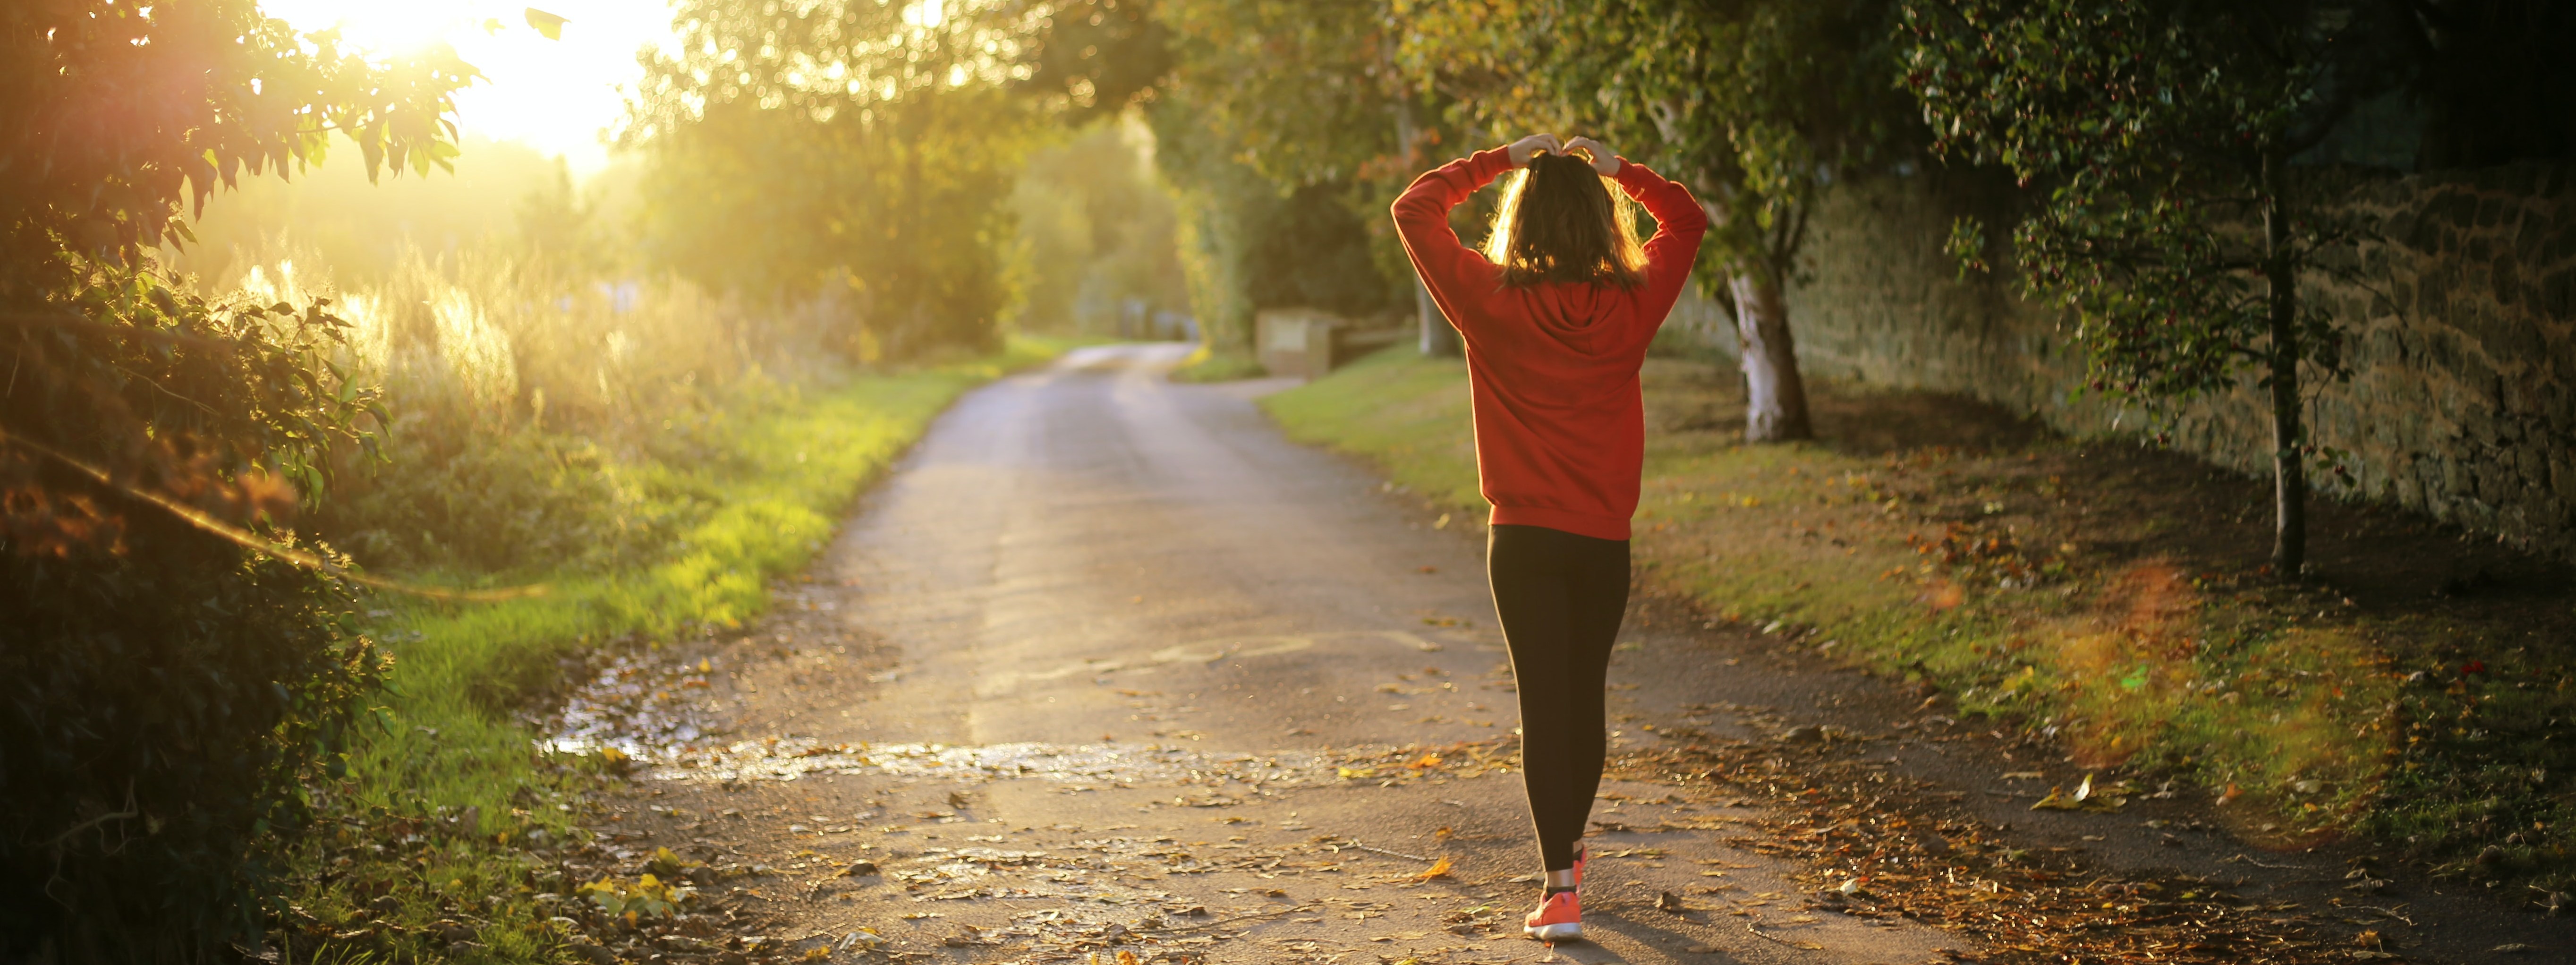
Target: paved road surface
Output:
[(1095, 658), (1108, 665)]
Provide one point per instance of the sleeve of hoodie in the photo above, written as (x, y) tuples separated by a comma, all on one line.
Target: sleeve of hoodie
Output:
[(1680, 223), (1455, 274)]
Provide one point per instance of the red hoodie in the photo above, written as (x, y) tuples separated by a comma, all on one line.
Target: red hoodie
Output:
[(1560, 421)]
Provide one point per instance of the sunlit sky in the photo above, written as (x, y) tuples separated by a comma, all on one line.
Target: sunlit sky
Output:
[(554, 95)]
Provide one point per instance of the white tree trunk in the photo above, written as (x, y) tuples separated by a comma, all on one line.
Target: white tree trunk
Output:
[(1775, 396)]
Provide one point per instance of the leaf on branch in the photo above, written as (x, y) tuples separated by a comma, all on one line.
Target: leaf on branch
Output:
[(550, 25)]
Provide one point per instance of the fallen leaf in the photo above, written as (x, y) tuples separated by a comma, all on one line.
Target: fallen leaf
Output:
[(1667, 901), (2085, 798), (1438, 869)]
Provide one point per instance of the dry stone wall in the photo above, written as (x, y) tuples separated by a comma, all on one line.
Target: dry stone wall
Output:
[(2462, 401)]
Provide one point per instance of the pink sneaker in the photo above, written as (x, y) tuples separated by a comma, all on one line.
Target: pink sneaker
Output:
[(1557, 919)]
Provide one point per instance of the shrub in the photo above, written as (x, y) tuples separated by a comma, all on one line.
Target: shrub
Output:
[(159, 711), (166, 676)]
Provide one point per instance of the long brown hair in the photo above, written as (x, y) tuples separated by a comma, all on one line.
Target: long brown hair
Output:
[(1561, 222)]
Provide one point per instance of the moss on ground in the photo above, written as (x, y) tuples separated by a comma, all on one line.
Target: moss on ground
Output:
[(2415, 688)]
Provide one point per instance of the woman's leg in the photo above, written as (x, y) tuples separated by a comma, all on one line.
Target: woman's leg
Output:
[(1560, 597)]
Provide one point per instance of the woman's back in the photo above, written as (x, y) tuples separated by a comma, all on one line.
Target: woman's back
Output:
[(1560, 425)]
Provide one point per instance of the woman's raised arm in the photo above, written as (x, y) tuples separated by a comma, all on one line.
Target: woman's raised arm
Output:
[(1680, 223), (1446, 265)]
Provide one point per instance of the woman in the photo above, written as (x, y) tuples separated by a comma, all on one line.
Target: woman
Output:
[(1556, 312)]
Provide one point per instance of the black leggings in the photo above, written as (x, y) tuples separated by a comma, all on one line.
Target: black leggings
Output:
[(1560, 597)]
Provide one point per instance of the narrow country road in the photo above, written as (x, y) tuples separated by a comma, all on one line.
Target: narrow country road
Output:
[(1107, 664), (1107, 670)]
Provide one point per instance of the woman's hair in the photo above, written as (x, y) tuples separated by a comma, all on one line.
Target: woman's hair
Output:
[(1561, 222)]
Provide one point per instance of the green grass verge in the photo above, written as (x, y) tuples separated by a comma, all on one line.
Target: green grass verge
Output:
[(447, 817), (2079, 591)]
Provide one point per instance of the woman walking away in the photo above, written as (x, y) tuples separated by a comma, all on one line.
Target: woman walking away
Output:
[(1556, 312)]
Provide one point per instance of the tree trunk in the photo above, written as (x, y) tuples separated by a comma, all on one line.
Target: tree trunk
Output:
[(1775, 396), (1439, 340), (2289, 468)]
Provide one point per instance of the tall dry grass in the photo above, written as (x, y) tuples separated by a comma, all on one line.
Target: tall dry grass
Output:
[(530, 413)]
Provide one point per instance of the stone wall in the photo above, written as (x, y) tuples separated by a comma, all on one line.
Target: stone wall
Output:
[(2462, 402)]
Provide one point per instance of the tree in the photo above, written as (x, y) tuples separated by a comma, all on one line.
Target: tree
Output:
[(1760, 105), (1097, 58), (1307, 97), (856, 148), (173, 666), (2174, 227), (1095, 233)]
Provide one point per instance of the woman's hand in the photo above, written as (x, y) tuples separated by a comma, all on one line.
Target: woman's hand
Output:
[(1604, 159), (1523, 150)]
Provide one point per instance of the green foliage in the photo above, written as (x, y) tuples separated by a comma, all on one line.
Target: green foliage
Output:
[(1303, 92), (1757, 104), (1097, 56), (163, 707), (840, 150), (2174, 229), (115, 114), (166, 690), (1287, 131), (2151, 164)]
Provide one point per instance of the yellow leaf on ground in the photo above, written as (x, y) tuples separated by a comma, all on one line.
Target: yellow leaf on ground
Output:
[(1438, 869)]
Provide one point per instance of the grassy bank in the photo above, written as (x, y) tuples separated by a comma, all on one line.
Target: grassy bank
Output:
[(450, 819), (2415, 689)]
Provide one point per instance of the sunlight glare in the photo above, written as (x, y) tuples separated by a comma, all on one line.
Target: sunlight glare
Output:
[(558, 96)]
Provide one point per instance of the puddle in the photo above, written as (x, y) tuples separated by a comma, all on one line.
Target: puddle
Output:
[(787, 759), (637, 704), (641, 706)]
